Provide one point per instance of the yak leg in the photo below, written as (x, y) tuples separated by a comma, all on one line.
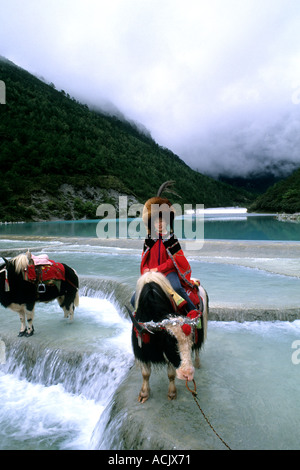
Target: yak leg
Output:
[(145, 390), (24, 311), (21, 313), (20, 309), (71, 311), (61, 301), (172, 392), (68, 307), (30, 317), (197, 359)]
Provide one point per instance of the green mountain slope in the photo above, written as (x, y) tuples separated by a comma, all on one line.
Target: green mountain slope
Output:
[(283, 196), (58, 159)]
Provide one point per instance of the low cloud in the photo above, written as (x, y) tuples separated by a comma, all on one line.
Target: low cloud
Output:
[(216, 82)]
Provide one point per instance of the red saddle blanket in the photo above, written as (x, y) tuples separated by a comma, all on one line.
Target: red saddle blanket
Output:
[(43, 273)]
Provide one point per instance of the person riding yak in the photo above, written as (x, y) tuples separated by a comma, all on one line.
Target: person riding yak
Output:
[(162, 251)]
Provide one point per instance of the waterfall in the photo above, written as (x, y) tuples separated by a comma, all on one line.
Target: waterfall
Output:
[(92, 375), (73, 366), (116, 292)]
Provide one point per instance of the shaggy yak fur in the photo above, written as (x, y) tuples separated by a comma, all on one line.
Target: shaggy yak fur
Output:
[(170, 345), (21, 295)]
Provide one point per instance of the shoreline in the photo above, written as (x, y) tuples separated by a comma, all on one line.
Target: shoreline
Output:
[(294, 218), (284, 248)]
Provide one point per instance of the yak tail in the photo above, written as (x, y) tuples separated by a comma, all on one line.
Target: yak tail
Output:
[(76, 300)]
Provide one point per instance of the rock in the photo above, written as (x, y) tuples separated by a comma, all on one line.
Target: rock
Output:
[(289, 217), (158, 424)]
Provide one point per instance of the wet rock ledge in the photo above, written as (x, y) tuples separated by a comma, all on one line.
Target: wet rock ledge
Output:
[(158, 424), (253, 314)]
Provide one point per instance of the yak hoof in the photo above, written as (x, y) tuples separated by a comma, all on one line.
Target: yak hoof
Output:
[(22, 333), (172, 396), (29, 334), (143, 398)]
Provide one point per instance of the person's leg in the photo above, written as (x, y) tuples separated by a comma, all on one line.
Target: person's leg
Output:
[(176, 284)]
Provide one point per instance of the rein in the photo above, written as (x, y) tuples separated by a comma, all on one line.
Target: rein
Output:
[(194, 393)]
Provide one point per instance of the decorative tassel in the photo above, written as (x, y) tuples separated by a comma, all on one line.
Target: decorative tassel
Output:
[(195, 336), (146, 338), (7, 288), (193, 314), (199, 324), (187, 329)]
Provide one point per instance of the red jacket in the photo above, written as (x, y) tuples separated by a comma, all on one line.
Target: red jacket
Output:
[(167, 255), (157, 257)]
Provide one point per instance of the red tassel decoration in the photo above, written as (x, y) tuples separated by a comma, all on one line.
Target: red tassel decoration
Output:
[(186, 329), (146, 338), (193, 314), (6, 284)]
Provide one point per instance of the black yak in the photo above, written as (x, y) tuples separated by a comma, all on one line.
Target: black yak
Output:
[(157, 340), (22, 284)]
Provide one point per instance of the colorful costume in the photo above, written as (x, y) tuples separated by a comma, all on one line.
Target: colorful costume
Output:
[(165, 253), (167, 256)]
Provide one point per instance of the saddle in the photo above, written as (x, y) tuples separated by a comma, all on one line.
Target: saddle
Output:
[(43, 271)]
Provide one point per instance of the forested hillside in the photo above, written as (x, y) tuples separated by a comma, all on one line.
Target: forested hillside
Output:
[(59, 159), (283, 196)]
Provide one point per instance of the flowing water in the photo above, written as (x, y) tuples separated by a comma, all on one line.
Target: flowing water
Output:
[(56, 385)]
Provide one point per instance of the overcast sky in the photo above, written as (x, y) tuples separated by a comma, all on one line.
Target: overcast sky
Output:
[(215, 81)]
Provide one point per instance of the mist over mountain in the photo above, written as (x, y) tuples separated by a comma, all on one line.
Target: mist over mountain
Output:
[(217, 83), (59, 159), (259, 181), (284, 196), (256, 145)]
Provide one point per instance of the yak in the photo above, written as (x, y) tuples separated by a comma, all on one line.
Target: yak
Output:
[(23, 283), (160, 334)]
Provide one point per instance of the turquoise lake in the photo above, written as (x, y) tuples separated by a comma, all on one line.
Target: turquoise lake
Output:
[(227, 227)]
